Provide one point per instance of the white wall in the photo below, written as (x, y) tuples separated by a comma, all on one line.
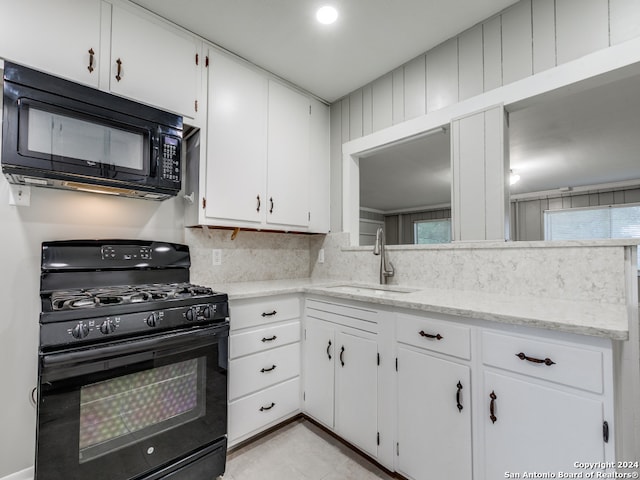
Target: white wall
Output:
[(53, 215), (526, 40)]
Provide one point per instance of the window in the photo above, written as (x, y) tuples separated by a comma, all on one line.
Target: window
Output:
[(432, 231), (613, 221)]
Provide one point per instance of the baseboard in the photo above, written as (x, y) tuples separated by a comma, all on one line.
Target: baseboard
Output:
[(26, 474)]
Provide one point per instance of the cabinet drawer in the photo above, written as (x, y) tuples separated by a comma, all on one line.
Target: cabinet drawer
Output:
[(361, 318), (572, 365), (255, 341), (435, 335), (263, 408), (263, 311), (255, 372)]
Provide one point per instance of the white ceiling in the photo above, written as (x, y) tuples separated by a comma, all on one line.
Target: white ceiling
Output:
[(370, 38), (587, 138), (409, 175)]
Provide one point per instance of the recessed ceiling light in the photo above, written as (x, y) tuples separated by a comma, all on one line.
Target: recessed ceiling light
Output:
[(327, 15)]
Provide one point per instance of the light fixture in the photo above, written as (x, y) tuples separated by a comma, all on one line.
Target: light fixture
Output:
[(327, 15), (513, 177)]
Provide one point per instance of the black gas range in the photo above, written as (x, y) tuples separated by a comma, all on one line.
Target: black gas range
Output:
[(133, 362)]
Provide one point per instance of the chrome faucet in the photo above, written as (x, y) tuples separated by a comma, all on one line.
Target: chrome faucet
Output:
[(386, 268)]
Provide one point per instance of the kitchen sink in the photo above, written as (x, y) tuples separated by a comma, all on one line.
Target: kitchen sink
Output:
[(371, 289)]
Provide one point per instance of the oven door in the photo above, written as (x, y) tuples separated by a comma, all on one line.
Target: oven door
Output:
[(135, 409)]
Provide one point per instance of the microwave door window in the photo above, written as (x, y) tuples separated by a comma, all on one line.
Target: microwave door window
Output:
[(66, 138)]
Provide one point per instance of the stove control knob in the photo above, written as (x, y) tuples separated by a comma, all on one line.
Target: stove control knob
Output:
[(107, 327), (80, 331), (152, 320), (206, 312), (191, 314)]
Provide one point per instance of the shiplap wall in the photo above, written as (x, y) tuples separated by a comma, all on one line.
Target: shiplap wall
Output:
[(527, 217), (523, 40), (399, 228)]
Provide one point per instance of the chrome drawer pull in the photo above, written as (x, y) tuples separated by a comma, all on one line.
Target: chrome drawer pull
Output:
[(546, 361)]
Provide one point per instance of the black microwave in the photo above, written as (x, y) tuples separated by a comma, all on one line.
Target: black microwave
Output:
[(59, 134)]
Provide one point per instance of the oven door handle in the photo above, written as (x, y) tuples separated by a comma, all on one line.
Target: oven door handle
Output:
[(151, 346)]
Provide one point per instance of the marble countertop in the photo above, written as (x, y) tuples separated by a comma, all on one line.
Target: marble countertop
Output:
[(585, 318)]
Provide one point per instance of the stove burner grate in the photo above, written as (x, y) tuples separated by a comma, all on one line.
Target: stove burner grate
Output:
[(126, 294)]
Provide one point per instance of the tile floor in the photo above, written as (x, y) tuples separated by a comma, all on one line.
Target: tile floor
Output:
[(299, 451)]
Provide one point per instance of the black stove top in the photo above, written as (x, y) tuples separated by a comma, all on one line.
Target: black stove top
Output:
[(101, 297), (95, 291)]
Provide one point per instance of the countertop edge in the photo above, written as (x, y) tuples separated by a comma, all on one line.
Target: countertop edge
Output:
[(501, 311)]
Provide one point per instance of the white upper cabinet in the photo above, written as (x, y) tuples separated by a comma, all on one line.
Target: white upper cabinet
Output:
[(153, 63), (267, 160), (236, 141), (53, 36), (319, 184), (288, 156)]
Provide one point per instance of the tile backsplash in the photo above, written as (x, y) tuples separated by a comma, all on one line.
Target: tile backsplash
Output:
[(580, 271), (251, 256)]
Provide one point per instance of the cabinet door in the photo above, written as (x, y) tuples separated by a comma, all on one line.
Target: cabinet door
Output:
[(319, 169), (157, 63), (288, 156), (357, 391), (538, 428), (319, 356), (53, 36), (237, 141), (434, 435)]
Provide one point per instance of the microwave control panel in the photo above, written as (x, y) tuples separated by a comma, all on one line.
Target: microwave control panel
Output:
[(170, 164)]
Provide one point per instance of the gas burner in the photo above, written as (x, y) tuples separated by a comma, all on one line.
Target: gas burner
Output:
[(125, 294)]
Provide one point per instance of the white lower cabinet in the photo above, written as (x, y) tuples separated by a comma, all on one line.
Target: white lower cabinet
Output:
[(434, 433), (319, 353), (538, 428), (482, 401), (429, 395), (434, 399), (264, 364), (547, 404), (252, 414), (357, 390), (341, 371)]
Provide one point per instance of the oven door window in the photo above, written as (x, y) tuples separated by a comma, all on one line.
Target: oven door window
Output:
[(126, 410), (120, 415), (69, 137)]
